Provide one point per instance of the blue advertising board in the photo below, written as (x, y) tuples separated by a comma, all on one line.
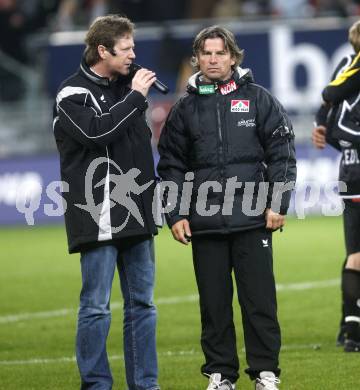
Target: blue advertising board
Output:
[(293, 60), (30, 190)]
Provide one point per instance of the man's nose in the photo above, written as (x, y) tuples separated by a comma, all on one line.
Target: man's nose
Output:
[(213, 58), (132, 54)]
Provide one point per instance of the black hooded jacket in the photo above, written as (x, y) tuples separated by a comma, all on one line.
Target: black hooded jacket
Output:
[(226, 134), (340, 114), (102, 135)]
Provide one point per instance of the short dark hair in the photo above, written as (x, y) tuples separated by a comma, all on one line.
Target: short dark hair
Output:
[(354, 36), (105, 30), (217, 32)]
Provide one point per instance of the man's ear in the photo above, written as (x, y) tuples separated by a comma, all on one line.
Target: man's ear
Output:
[(102, 51)]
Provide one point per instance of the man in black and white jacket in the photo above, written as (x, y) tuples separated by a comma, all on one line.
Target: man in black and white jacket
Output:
[(338, 124), (108, 170)]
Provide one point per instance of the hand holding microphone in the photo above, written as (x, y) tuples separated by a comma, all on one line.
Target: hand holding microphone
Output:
[(144, 79)]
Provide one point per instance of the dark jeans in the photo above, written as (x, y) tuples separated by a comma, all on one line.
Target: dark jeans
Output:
[(249, 254), (136, 269)]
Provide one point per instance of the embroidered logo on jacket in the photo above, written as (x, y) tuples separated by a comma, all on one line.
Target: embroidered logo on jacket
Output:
[(227, 88), (247, 123), (240, 105)]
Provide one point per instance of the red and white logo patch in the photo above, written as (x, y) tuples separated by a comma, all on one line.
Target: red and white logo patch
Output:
[(227, 88), (240, 105)]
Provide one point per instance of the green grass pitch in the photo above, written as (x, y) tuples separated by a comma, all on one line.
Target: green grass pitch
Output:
[(39, 288)]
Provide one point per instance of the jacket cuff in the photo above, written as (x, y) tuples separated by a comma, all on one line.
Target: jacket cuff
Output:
[(284, 209), (138, 100), (172, 219), (321, 115), (279, 202)]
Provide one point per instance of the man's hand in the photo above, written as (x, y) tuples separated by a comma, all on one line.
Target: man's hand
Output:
[(143, 80), (318, 137), (274, 220), (180, 229)]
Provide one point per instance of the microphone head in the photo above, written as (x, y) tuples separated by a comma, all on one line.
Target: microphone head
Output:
[(134, 68)]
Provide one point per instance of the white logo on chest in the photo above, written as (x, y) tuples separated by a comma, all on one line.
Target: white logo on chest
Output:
[(246, 123)]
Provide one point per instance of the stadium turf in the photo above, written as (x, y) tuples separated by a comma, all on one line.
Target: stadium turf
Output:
[(39, 287)]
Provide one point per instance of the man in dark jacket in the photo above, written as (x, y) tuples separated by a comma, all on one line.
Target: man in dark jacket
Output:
[(228, 144), (108, 173), (338, 124)]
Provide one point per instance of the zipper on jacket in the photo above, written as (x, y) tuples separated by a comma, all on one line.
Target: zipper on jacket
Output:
[(221, 154), (221, 147)]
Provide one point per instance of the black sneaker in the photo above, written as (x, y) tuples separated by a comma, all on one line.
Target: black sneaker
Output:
[(351, 346), (340, 339)]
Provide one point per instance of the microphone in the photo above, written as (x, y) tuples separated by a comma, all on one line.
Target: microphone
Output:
[(161, 87)]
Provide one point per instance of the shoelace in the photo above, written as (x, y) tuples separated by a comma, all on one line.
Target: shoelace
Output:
[(270, 382), (216, 385)]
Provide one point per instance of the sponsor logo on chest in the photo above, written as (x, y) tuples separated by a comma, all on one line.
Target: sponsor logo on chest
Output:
[(206, 89), (246, 123), (240, 105), (227, 88)]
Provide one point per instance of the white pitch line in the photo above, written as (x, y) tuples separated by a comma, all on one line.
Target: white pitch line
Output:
[(72, 359), (64, 312), (39, 314), (162, 301), (307, 285)]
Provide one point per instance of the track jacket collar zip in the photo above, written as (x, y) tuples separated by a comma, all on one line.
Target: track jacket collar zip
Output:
[(197, 85), (102, 81)]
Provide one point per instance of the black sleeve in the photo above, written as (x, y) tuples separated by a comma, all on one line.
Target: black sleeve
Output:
[(277, 136), (345, 84), (173, 163), (325, 113), (81, 118), (321, 115), (333, 142)]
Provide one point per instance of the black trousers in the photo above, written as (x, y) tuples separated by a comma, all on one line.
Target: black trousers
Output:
[(351, 219), (350, 278), (249, 254)]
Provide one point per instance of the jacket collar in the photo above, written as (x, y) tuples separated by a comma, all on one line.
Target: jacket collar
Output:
[(103, 81), (88, 73), (239, 77)]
